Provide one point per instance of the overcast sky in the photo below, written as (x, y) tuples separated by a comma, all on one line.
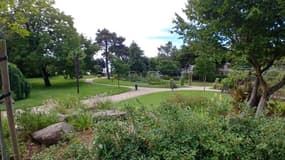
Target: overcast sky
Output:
[(147, 22)]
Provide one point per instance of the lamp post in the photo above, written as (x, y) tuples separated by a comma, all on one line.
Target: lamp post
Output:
[(77, 71)]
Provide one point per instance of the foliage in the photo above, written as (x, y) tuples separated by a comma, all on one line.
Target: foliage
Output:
[(168, 67), (110, 43), (51, 40), (205, 68), (82, 121), (137, 61), (30, 121), (19, 85), (89, 49), (251, 31), (180, 100), (172, 84), (172, 132), (104, 105), (167, 51), (153, 77), (120, 68)]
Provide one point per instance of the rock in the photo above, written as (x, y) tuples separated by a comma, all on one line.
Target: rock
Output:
[(52, 134), (62, 117), (107, 114)]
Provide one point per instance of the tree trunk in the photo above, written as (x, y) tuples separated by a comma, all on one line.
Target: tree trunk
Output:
[(253, 100), (107, 66), (262, 104), (107, 60), (45, 76), (118, 80)]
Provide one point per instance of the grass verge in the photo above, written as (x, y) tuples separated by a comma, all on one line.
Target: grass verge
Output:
[(63, 89), (155, 99)]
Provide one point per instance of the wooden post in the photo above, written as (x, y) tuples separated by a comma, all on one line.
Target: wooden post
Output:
[(8, 100), (2, 141)]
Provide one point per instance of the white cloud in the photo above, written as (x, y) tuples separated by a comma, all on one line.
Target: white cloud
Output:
[(136, 20)]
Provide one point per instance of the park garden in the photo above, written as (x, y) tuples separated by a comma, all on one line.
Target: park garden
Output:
[(220, 95)]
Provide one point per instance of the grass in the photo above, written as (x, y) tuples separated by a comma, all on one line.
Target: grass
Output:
[(144, 84), (155, 99), (63, 89)]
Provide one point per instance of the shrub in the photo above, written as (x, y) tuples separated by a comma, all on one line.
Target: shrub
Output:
[(182, 133), (30, 121), (182, 81), (172, 84), (186, 101), (153, 77), (82, 121), (19, 86)]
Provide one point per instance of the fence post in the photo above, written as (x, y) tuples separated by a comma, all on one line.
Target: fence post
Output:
[(8, 101)]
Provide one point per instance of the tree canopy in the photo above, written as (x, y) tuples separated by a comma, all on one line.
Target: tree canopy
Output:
[(251, 29)]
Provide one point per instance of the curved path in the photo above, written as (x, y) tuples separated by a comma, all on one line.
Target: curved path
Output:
[(135, 93), (91, 102)]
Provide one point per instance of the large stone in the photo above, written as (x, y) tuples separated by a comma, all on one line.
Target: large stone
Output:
[(106, 114), (53, 133)]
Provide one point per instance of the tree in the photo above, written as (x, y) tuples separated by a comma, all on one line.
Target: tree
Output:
[(90, 50), (137, 61), (169, 67), (167, 51), (204, 67), (104, 38), (153, 63), (11, 22), (99, 65), (52, 38), (185, 57), (120, 68), (119, 49), (254, 30)]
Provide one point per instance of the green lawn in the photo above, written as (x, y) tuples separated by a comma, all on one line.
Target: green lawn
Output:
[(144, 84), (62, 89), (155, 99)]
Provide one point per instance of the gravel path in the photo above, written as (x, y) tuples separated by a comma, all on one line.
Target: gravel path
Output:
[(90, 102), (135, 93)]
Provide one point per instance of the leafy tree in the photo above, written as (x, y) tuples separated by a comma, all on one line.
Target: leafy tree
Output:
[(185, 57), (12, 20), (99, 65), (168, 67), (111, 43), (250, 29), (119, 49), (52, 38), (137, 61), (90, 50), (153, 64), (120, 68), (205, 67), (167, 51)]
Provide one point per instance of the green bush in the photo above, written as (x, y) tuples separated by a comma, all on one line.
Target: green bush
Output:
[(172, 132), (182, 81), (172, 84), (153, 77), (82, 121), (186, 101), (30, 121), (19, 86)]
